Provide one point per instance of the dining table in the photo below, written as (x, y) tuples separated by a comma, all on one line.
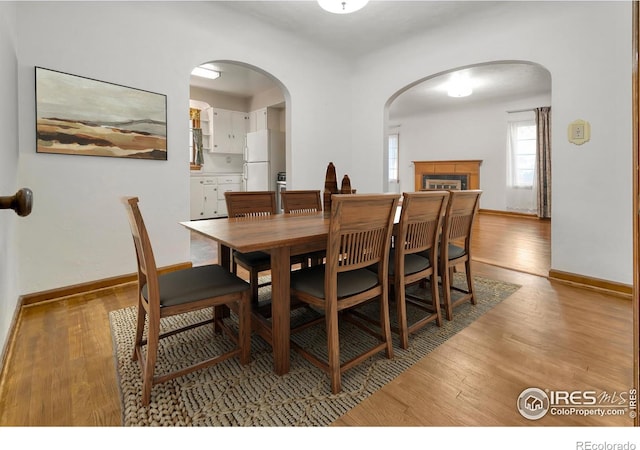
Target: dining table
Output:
[(282, 236)]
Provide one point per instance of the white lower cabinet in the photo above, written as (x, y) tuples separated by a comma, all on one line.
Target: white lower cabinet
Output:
[(227, 183), (204, 198), (207, 195)]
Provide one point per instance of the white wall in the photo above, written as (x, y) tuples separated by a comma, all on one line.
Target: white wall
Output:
[(474, 132), (271, 97), (9, 222), (79, 230), (218, 99), (586, 46)]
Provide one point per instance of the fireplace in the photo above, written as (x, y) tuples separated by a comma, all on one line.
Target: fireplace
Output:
[(459, 174), (445, 181)]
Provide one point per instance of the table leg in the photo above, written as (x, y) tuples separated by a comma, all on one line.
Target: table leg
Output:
[(224, 256), (224, 259), (280, 308)]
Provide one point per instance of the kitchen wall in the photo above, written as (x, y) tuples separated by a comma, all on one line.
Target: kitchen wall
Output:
[(233, 163), (591, 76), (265, 99), (213, 162), (219, 99), (10, 223), (475, 132)]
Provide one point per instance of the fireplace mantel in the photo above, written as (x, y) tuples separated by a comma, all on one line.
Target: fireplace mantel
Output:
[(467, 169)]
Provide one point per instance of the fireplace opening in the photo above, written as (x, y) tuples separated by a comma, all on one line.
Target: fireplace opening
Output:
[(445, 181)]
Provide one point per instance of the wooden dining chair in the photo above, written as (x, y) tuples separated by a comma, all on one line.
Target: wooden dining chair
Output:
[(251, 204), (301, 201), (417, 233), (179, 292), (455, 245), (359, 236), (304, 202)]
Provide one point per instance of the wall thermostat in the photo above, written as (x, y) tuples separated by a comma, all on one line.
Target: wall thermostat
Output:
[(579, 132)]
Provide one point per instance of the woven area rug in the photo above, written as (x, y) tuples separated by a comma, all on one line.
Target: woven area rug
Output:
[(229, 394)]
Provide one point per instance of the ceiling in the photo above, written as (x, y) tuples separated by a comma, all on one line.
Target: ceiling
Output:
[(490, 83), (235, 80), (379, 24)]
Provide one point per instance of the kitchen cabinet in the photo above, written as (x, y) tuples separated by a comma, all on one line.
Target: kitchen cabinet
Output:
[(207, 195), (205, 125), (203, 198), (229, 129), (228, 183), (265, 119)]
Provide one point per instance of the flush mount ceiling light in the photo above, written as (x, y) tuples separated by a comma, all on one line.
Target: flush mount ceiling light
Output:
[(206, 71), (342, 6), (459, 86)]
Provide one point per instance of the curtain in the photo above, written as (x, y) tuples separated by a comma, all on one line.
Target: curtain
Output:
[(196, 137), (543, 161)]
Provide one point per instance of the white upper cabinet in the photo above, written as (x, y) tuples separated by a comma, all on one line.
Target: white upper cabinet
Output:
[(265, 119), (229, 129), (205, 124)]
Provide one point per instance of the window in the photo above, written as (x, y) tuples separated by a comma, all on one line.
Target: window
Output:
[(521, 154), (393, 158)]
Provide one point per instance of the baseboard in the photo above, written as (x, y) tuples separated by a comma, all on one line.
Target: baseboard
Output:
[(496, 212), (610, 287), (53, 294), (43, 296), (8, 347)]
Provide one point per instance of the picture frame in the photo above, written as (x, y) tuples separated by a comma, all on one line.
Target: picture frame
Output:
[(77, 115)]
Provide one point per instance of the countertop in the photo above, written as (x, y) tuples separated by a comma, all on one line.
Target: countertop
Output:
[(199, 173)]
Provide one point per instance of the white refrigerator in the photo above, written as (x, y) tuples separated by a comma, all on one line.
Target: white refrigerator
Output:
[(264, 157)]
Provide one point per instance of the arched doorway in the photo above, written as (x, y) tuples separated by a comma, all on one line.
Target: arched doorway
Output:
[(427, 123), (255, 94), (240, 105)]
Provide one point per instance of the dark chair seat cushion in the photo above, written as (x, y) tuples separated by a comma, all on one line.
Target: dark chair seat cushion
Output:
[(454, 252), (413, 263), (252, 259), (311, 281), (196, 283)]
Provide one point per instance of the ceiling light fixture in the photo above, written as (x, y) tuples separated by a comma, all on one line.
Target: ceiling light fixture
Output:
[(206, 71), (342, 6), (459, 86)]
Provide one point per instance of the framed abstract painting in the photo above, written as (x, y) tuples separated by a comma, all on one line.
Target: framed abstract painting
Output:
[(82, 116)]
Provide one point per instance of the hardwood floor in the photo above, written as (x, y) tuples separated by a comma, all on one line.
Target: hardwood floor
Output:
[(548, 335), (514, 242)]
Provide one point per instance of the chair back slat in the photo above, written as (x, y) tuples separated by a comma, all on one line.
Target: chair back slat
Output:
[(460, 226), (250, 203), (461, 211), (361, 249), (420, 220), (301, 201), (360, 230)]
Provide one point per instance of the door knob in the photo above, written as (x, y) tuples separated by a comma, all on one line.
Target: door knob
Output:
[(21, 202)]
